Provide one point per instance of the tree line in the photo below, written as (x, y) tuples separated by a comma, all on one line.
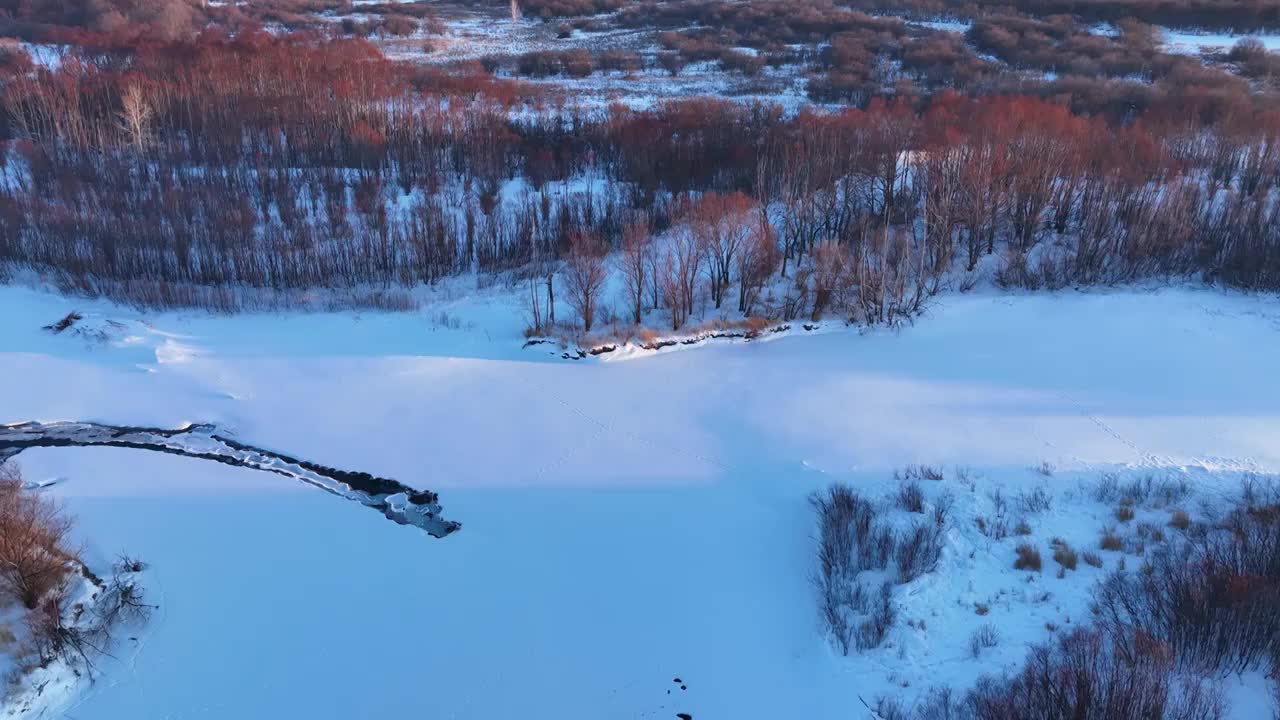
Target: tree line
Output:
[(293, 162)]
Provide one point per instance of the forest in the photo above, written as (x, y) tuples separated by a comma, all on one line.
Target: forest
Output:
[(222, 165)]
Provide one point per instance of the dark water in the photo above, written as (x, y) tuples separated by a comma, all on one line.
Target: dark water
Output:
[(395, 500)]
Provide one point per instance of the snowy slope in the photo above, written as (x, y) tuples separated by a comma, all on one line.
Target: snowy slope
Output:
[(625, 524)]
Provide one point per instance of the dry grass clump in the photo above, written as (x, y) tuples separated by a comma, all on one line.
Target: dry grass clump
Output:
[(1028, 558), (1064, 555)]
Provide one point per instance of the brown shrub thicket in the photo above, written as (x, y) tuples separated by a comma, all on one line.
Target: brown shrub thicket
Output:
[(567, 8), (35, 555), (165, 19), (545, 63)]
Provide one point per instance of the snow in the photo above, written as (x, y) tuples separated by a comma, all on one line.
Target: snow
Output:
[(10, 622), (1192, 42), (951, 26), (624, 523), (44, 54)]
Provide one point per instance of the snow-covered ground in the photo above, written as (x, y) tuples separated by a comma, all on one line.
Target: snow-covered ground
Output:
[(951, 26), (625, 523), (1186, 41)]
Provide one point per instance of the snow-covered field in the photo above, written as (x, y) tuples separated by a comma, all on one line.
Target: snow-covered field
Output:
[(636, 540), (1184, 41)]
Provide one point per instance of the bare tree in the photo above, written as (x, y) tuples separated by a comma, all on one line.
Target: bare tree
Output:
[(667, 277), (678, 274), (136, 115), (636, 262), (721, 225), (757, 262), (584, 276), (831, 276), (655, 273), (537, 319)]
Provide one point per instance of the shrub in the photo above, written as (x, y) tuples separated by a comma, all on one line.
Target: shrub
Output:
[(1064, 555), (399, 26), (1110, 540), (621, 61), (981, 639), (844, 519), (911, 497), (1107, 489), (1214, 601), (997, 529), (1093, 558), (942, 508), (34, 555), (872, 631), (577, 63), (982, 608), (118, 602), (1170, 491), (1083, 675), (1028, 558), (1180, 520), (849, 541), (1036, 501), (1022, 528), (1124, 513), (940, 703), (1140, 491), (745, 63), (879, 545), (1150, 531), (918, 550), (35, 563), (672, 62), (1137, 491), (920, 472)]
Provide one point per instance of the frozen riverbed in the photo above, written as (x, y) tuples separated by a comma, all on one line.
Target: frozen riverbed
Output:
[(626, 523)]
